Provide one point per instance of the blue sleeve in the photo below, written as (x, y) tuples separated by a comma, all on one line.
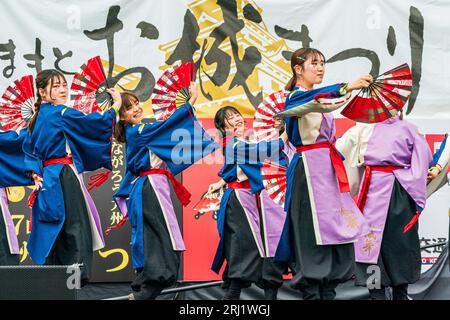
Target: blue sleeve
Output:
[(31, 162), (250, 157), (90, 137), (228, 173), (12, 159), (125, 186), (438, 153), (179, 141), (122, 194), (229, 170), (256, 153), (298, 97)]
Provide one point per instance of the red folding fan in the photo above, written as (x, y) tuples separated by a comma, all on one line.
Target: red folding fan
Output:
[(385, 96), (172, 90), (274, 180), (209, 202), (88, 89), (16, 107), (264, 123)]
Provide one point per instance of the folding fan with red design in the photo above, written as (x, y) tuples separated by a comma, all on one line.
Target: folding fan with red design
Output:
[(172, 90), (16, 106), (383, 99), (264, 123), (209, 202), (88, 89), (274, 180)]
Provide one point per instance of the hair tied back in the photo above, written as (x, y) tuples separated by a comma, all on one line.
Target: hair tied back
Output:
[(301, 59)]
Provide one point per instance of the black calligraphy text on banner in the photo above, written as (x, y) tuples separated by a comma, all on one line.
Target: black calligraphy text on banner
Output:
[(211, 53)]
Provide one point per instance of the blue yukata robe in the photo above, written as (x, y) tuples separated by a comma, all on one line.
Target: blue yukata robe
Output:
[(174, 144), (310, 122), (60, 131), (244, 161)]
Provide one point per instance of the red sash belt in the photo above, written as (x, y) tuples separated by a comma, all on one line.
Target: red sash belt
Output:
[(239, 185), (366, 182), (33, 195), (336, 161), (246, 185), (362, 197), (183, 195), (63, 160), (181, 192)]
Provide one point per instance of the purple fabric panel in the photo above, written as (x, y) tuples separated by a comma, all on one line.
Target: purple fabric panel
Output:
[(338, 218), (161, 186), (274, 217), (367, 248), (326, 132), (248, 202), (289, 150), (10, 229), (93, 209), (397, 142)]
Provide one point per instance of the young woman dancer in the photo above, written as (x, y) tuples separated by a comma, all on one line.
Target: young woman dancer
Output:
[(249, 221), (62, 144), (395, 159), (151, 163), (322, 219)]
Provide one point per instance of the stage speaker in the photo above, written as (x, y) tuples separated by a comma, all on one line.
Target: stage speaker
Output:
[(39, 282)]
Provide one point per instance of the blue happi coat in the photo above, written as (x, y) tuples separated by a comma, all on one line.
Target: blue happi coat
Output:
[(179, 142), (298, 97), (12, 159), (57, 131), (249, 157)]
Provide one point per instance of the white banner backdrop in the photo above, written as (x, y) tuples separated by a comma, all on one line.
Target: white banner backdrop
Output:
[(355, 36), (241, 49)]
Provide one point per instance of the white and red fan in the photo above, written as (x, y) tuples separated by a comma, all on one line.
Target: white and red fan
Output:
[(384, 97), (209, 202), (264, 123), (88, 89), (16, 106), (274, 180), (172, 90)]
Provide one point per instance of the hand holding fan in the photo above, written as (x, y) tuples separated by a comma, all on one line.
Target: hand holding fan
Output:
[(88, 89), (264, 122), (209, 202), (274, 180), (16, 107), (384, 97), (172, 90)]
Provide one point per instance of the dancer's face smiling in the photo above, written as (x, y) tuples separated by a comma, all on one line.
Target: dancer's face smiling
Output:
[(134, 114), (234, 122)]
